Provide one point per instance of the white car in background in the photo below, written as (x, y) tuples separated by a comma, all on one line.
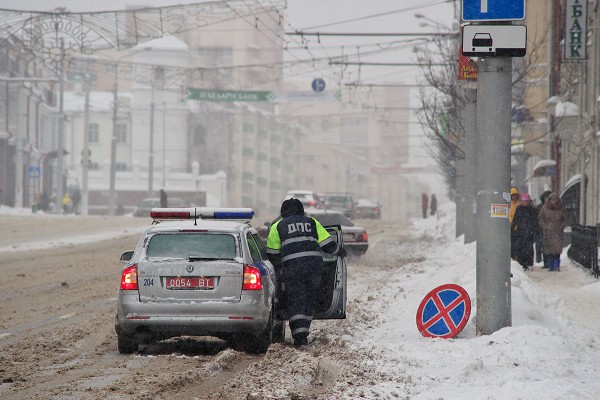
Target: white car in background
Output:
[(308, 198)]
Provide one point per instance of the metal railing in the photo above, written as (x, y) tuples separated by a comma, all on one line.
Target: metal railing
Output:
[(584, 247)]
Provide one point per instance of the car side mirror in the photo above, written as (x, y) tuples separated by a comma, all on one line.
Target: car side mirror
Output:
[(127, 256)]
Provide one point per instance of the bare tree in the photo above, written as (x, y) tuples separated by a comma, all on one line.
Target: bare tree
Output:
[(443, 97)]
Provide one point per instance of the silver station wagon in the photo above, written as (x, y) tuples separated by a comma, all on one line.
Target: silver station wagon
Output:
[(205, 272)]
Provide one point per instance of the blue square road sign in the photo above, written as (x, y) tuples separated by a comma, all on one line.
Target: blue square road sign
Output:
[(493, 10)]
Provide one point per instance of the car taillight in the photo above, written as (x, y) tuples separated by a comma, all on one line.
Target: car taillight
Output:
[(312, 203), (129, 279), (365, 237), (251, 278)]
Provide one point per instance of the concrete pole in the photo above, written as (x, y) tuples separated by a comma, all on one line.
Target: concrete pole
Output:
[(19, 141), (113, 148), (459, 199), (164, 145), (151, 153), (470, 129), (493, 230), (85, 193), (61, 131)]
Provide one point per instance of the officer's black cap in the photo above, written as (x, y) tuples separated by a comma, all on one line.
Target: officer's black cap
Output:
[(291, 207)]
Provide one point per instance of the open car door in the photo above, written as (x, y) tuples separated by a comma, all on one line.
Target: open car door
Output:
[(332, 294)]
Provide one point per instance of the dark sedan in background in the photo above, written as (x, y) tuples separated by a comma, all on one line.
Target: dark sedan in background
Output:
[(356, 240), (367, 208)]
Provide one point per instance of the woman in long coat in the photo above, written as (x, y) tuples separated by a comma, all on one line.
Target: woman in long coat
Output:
[(553, 220), (525, 227)]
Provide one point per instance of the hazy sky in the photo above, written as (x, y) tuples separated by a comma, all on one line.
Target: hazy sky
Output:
[(365, 16)]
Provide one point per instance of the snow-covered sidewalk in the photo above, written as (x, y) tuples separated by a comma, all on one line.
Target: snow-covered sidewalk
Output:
[(552, 351)]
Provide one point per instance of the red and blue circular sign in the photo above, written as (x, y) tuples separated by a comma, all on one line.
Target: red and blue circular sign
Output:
[(444, 312)]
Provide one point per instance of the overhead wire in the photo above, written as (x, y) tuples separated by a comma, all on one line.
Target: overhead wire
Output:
[(384, 14)]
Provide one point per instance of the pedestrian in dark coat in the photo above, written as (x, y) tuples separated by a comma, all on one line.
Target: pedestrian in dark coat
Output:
[(76, 198), (296, 241), (525, 226), (553, 220), (539, 237), (515, 200), (433, 205), (164, 203)]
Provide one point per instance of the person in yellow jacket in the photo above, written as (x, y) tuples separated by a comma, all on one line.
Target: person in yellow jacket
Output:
[(66, 203), (515, 199)]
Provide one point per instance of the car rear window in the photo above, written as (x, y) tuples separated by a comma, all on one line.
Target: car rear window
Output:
[(196, 245), (340, 200), (301, 196), (332, 219)]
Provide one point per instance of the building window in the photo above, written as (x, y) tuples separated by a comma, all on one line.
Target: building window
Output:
[(158, 77), (93, 133), (121, 133), (120, 166), (247, 127)]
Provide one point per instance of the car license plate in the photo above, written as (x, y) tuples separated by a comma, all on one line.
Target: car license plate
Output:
[(349, 237), (178, 282)]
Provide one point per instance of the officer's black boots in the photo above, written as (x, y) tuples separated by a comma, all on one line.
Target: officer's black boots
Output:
[(300, 340)]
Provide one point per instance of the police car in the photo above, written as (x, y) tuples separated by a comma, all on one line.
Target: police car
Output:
[(205, 272)]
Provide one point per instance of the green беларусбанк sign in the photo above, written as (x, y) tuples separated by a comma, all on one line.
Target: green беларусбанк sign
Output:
[(229, 95), (263, 96)]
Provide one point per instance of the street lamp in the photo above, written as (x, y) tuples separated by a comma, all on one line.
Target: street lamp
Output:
[(113, 141)]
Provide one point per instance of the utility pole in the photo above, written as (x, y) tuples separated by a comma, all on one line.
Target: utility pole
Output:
[(86, 149), (61, 128), (459, 198), (471, 146), (151, 153), (164, 145), (113, 147), (495, 42), (19, 153), (493, 230)]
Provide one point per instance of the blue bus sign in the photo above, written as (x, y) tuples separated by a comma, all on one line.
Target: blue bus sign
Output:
[(493, 10)]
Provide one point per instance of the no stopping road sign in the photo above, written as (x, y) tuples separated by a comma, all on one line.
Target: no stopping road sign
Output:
[(444, 312)]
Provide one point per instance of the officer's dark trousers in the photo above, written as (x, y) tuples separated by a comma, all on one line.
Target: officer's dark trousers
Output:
[(301, 283)]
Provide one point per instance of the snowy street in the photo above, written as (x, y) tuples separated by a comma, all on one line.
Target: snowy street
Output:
[(58, 342)]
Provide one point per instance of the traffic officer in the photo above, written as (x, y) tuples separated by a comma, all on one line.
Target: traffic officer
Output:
[(296, 241)]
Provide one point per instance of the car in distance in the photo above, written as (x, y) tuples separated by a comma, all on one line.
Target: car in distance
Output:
[(340, 202), (147, 204), (367, 208), (205, 272), (308, 198), (355, 238)]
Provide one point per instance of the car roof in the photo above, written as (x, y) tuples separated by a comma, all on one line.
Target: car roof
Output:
[(321, 212), (300, 192), (221, 226), (367, 201)]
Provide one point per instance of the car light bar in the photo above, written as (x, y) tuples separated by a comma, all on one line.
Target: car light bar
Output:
[(243, 214)]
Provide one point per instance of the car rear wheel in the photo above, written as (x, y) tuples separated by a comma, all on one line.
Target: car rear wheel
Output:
[(126, 344), (260, 344)]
